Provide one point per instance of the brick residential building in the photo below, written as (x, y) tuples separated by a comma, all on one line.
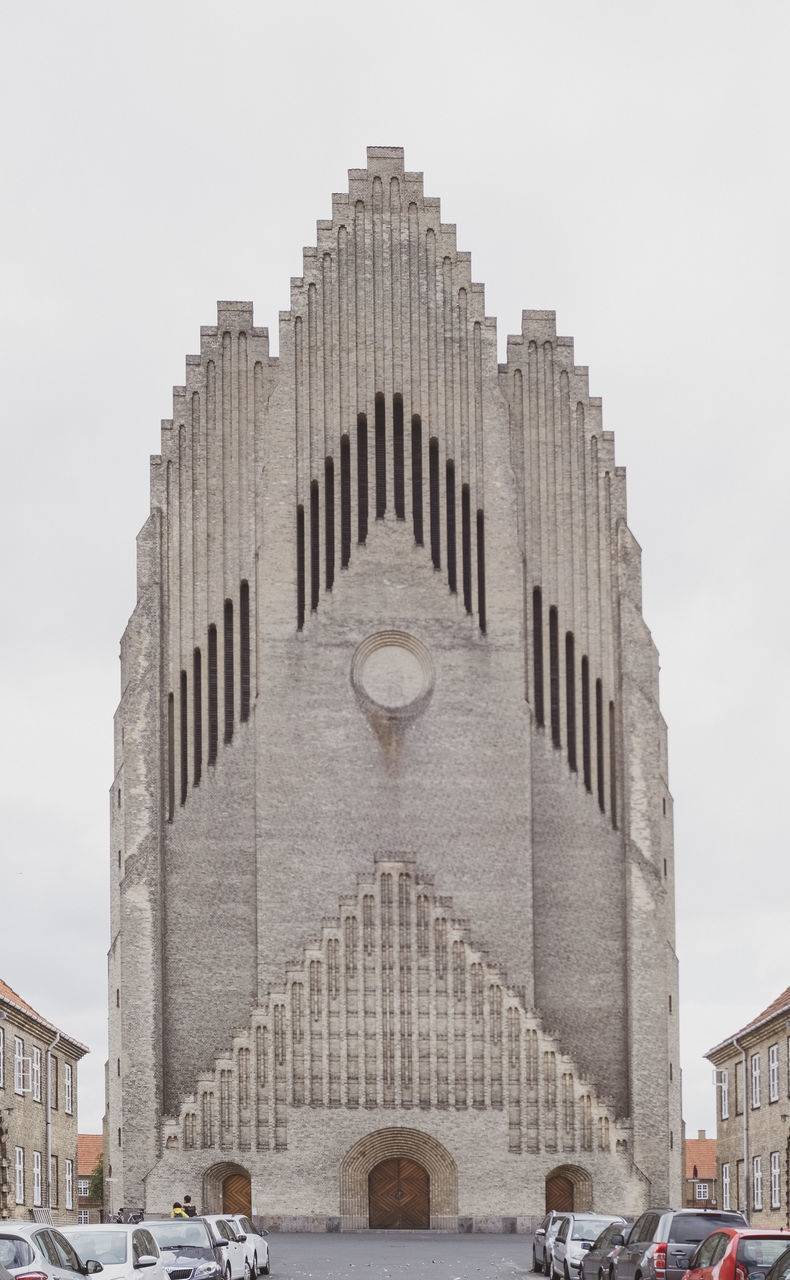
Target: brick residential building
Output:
[(700, 1188), (392, 854), (753, 1116), (38, 1114), (90, 1153)]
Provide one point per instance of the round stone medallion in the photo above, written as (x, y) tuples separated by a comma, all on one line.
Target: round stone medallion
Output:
[(392, 672)]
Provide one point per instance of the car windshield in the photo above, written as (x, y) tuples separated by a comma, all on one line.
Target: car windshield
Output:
[(586, 1228), (760, 1251), (15, 1252), (172, 1232), (691, 1228), (107, 1247)]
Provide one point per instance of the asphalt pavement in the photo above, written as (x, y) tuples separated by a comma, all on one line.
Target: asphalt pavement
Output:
[(368, 1255)]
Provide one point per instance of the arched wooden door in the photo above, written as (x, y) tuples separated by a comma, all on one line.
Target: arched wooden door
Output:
[(559, 1193), (399, 1196), (237, 1194)]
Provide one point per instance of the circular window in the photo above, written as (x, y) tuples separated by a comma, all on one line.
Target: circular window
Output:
[(392, 671)]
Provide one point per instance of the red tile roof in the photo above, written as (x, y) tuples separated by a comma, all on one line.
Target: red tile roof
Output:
[(780, 1005), (701, 1153), (89, 1153), (11, 997)]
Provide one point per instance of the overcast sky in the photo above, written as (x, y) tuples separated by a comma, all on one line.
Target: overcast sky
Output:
[(623, 163)]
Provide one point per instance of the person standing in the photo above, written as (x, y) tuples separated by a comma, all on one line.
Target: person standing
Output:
[(189, 1208), (177, 1211)]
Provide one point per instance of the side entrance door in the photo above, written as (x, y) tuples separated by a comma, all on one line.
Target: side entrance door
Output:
[(399, 1198)]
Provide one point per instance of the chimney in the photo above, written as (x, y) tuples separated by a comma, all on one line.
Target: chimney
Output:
[(700, 1135)]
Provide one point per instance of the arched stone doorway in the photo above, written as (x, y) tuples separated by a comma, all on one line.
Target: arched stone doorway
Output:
[(409, 1145), (569, 1189), (227, 1189), (399, 1196)]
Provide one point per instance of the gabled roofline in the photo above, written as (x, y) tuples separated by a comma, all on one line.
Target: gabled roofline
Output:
[(784, 1010), (21, 1006)]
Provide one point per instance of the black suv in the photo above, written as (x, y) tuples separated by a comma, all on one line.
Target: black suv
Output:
[(662, 1242)]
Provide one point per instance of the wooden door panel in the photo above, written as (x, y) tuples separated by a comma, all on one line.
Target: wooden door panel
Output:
[(559, 1193), (399, 1196), (237, 1194)]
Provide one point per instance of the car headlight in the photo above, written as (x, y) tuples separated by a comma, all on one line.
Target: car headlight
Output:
[(205, 1270)]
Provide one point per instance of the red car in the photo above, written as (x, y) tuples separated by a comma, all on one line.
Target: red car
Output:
[(733, 1253)]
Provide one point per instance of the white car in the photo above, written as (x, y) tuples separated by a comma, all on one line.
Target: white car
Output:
[(228, 1245), (126, 1251), (28, 1247), (577, 1233), (256, 1246)]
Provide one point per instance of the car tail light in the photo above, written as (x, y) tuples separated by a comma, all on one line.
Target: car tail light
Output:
[(31, 1275), (660, 1260), (740, 1272)]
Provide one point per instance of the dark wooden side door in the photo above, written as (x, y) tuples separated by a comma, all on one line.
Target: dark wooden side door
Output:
[(237, 1194), (559, 1193), (399, 1198)]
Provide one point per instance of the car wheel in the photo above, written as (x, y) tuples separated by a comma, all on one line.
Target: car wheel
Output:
[(255, 1264), (265, 1267), (536, 1266), (566, 1272), (247, 1270)]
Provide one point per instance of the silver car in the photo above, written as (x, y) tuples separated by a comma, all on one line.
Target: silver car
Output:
[(574, 1237), (256, 1245), (32, 1246), (126, 1251)]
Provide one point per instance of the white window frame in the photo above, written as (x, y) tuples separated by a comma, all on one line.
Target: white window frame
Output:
[(725, 1186), (701, 1191), (757, 1182), (776, 1180), (68, 1089), (755, 1080), (773, 1073), (83, 1217), (2, 1058), (83, 1186), (19, 1171), (19, 1066), (37, 1179), (725, 1094), (69, 1184), (35, 1073)]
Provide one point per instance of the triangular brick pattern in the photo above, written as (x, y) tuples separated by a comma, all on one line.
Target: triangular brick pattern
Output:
[(394, 1007)]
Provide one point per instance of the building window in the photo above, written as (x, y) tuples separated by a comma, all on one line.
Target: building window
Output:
[(701, 1191), (725, 1094), (776, 1180), (755, 1080), (35, 1074), (37, 1178), (773, 1073), (83, 1217), (725, 1186), (69, 1090), (739, 1088), (757, 1182), (19, 1168), (83, 1186), (69, 1176), (19, 1073)]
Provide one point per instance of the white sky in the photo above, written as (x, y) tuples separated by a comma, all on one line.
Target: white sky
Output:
[(623, 163)]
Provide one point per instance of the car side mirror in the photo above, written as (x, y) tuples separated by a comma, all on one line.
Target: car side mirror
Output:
[(617, 1240), (221, 1244), (92, 1267), (146, 1260), (586, 1244), (242, 1239)]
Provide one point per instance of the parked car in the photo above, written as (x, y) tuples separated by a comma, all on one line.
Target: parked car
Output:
[(738, 1254), (781, 1268), (544, 1240), (575, 1235), (31, 1249), (662, 1242), (123, 1249), (187, 1248), (598, 1262), (231, 1242), (257, 1246)]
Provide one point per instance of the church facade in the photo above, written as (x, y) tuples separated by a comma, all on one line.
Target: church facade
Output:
[(392, 871)]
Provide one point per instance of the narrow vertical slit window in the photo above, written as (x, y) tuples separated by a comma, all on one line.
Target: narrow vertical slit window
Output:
[(213, 716), (452, 576), (570, 698), (481, 571), (599, 744), (612, 768), (362, 478), (586, 745), (466, 547), (300, 567), (345, 501), (244, 649), (197, 715), (397, 456), (182, 711), (554, 676), (315, 547), (416, 478), (433, 487), (381, 457), (228, 672), (171, 752), (537, 655), (329, 521)]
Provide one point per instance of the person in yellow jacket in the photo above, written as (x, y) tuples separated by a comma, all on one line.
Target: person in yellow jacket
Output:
[(177, 1211)]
